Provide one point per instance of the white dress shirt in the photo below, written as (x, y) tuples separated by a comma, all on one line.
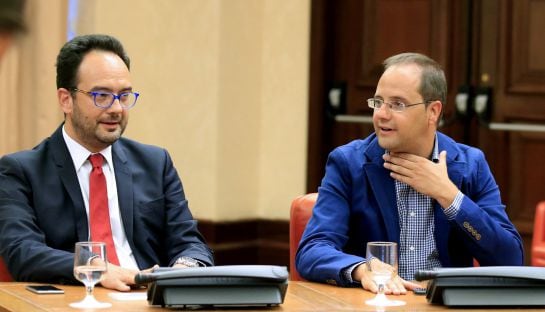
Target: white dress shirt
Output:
[(83, 167)]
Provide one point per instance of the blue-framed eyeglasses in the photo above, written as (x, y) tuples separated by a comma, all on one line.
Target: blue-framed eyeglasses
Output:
[(106, 99), (396, 106)]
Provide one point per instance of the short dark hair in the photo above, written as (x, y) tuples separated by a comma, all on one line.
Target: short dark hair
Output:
[(11, 16), (73, 52), (433, 84)]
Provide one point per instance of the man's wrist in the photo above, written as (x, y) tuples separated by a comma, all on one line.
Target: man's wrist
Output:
[(189, 262), (452, 210), (357, 273), (447, 196)]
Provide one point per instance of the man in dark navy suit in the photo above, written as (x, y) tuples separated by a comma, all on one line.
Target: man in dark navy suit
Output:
[(44, 192)]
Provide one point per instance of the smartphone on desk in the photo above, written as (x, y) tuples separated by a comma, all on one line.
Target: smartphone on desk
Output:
[(44, 289)]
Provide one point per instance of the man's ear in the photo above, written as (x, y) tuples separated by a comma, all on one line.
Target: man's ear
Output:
[(434, 112), (65, 100)]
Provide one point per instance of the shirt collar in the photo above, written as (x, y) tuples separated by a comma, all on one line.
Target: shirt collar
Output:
[(435, 153), (80, 154)]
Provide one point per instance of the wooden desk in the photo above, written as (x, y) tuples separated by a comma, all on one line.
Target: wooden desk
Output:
[(301, 297)]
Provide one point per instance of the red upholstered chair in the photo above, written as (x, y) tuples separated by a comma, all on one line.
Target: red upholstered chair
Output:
[(4, 274), (301, 210), (538, 240)]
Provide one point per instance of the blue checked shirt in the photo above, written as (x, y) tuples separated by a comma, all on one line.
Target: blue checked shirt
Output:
[(417, 249)]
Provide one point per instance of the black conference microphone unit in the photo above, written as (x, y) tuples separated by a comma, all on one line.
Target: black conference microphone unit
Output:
[(266, 272), (506, 286), (492, 271), (229, 285)]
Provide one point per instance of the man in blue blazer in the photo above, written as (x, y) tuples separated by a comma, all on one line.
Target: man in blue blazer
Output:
[(44, 192), (410, 184)]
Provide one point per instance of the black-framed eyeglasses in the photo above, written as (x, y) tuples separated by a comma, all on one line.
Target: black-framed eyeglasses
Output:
[(106, 99), (396, 106)]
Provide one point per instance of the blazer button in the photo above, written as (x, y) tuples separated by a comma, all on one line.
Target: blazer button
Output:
[(466, 224)]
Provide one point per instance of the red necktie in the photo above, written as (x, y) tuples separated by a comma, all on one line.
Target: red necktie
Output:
[(99, 214)]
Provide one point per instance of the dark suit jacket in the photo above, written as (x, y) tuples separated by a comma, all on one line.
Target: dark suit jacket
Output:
[(357, 204), (42, 214)]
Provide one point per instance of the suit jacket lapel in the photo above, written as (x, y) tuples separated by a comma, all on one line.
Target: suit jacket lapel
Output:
[(123, 177), (455, 167), (383, 188), (62, 159)]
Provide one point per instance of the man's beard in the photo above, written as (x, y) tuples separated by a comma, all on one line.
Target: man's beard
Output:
[(91, 134)]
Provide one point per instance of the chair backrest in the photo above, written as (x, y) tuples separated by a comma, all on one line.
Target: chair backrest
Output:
[(4, 273), (538, 239), (300, 212)]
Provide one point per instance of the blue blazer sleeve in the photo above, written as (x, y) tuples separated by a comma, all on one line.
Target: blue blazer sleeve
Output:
[(482, 227), (322, 251)]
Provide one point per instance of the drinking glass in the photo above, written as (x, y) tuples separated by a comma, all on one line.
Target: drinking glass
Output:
[(382, 263), (89, 265)]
